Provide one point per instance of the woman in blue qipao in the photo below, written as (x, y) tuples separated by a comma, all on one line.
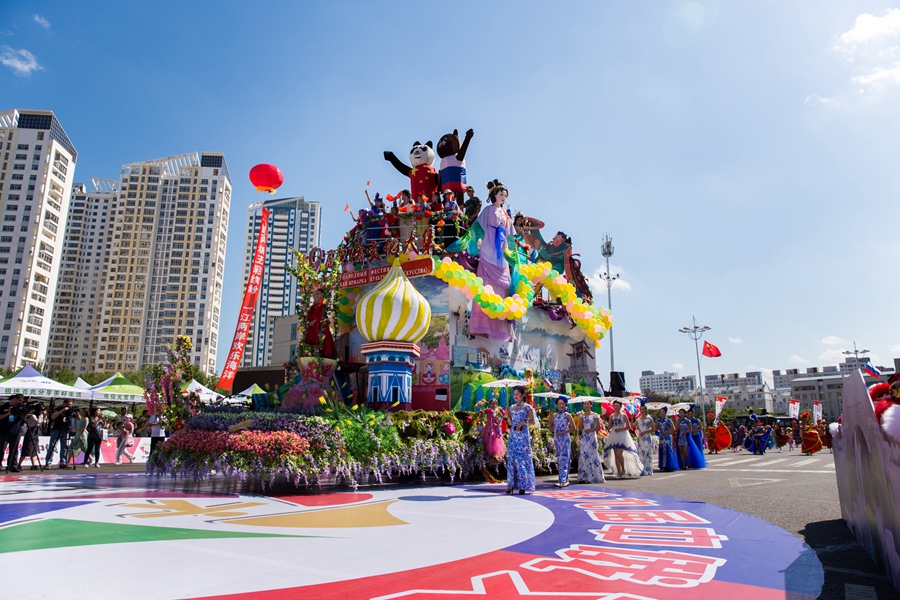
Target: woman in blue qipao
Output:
[(519, 463), (645, 429), (620, 454), (590, 469), (668, 461), (689, 456), (698, 461), (563, 426)]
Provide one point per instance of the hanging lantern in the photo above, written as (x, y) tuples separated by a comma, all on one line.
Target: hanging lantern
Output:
[(266, 178)]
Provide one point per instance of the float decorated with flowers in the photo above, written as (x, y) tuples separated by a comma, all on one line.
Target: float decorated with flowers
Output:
[(434, 303)]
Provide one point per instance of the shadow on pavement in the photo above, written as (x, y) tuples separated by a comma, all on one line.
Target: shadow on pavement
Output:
[(844, 561)]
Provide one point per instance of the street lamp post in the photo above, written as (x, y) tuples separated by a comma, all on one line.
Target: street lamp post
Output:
[(695, 332), (606, 249), (855, 353)]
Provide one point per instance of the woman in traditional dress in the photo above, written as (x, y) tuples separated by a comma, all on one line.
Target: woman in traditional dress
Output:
[(781, 437), (620, 455), (683, 428), (737, 441), (492, 434), (519, 463), (698, 461), (590, 469), (492, 266), (563, 426), (668, 460), (811, 442), (645, 428)]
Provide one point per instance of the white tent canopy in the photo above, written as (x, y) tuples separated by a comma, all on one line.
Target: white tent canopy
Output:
[(81, 384), (206, 394), (34, 385)]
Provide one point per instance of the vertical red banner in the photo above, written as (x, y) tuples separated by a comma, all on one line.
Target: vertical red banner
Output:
[(245, 318)]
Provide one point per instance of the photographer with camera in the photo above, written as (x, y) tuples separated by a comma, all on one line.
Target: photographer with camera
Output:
[(61, 421), (35, 415), (12, 414)]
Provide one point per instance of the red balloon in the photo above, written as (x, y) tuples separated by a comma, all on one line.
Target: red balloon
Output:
[(266, 178)]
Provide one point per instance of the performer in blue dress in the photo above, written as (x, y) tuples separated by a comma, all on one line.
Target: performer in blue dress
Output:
[(695, 452), (519, 463), (590, 469), (645, 428), (563, 426), (668, 461), (683, 427), (620, 455)]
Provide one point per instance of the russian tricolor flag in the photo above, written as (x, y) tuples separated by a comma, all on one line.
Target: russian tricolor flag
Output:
[(871, 370)]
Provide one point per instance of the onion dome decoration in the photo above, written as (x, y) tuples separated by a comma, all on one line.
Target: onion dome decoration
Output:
[(266, 178), (393, 310)]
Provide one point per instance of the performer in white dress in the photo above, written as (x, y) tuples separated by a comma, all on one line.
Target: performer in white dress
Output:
[(621, 455)]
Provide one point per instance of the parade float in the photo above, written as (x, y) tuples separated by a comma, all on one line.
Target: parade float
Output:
[(430, 306)]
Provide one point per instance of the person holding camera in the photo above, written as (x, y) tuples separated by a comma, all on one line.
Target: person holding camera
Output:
[(31, 441), (95, 430), (12, 414), (61, 421)]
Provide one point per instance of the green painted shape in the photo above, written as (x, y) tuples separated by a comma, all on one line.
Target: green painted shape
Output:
[(64, 533)]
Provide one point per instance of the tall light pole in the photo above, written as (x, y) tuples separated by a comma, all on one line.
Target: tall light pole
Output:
[(606, 249), (695, 332), (855, 353)]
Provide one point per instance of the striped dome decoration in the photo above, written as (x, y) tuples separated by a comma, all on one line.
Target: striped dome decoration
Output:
[(393, 310)]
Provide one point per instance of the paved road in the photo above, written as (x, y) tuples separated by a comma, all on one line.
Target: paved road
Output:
[(796, 492)]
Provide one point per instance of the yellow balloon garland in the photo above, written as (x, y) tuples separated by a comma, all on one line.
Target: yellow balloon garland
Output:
[(594, 321)]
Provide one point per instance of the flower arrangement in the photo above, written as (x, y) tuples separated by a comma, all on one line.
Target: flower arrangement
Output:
[(162, 387), (351, 443)]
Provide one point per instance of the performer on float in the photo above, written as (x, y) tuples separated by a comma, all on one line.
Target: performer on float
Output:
[(590, 468), (620, 455), (563, 426), (645, 428), (314, 322), (523, 226), (492, 434), (665, 428), (492, 266), (519, 462)]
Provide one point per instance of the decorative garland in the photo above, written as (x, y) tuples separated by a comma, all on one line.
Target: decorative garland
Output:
[(595, 322)]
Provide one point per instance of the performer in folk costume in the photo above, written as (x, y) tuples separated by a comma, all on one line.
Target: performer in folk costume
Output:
[(620, 454), (563, 426), (492, 434), (811, 442), (590, 468), (668, 460), (519, 462), (740, 434), (529, 387), (719, 436), (689, 455), (781, 436), (645, 428), (798, 433), (825, 434)]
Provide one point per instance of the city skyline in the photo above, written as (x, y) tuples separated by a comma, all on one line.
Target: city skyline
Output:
[(728, 151)]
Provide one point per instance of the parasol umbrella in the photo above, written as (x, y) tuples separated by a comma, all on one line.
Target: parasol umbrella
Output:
[(109, 413), (504, 383)]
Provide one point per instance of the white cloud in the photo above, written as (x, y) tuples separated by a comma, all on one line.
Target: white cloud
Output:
[(41, 21), (736, 340), (832, 356), (598, 284), (817, 99), (796, 360), (895, 348), (880, 74), (678, 366), (868, 28), (833, 340), (22, 62)]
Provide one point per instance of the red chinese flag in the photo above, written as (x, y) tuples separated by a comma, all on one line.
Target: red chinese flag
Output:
[(710, 350)]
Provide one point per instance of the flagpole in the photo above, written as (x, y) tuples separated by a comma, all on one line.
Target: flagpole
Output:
[(695, 332)]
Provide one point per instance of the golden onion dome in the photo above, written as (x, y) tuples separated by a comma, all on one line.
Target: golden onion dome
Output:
[(393, 310)]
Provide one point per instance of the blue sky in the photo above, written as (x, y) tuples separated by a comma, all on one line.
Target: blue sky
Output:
[(743, 155)]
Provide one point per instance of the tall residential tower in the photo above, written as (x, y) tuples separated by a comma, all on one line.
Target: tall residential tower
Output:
[(36, 175), (293, 223)]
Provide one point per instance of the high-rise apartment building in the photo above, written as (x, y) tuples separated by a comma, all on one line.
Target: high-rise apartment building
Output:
[(36, 175), (293, 223), (82, 277)]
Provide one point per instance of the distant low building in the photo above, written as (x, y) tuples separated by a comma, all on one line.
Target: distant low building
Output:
[(666, 382)]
